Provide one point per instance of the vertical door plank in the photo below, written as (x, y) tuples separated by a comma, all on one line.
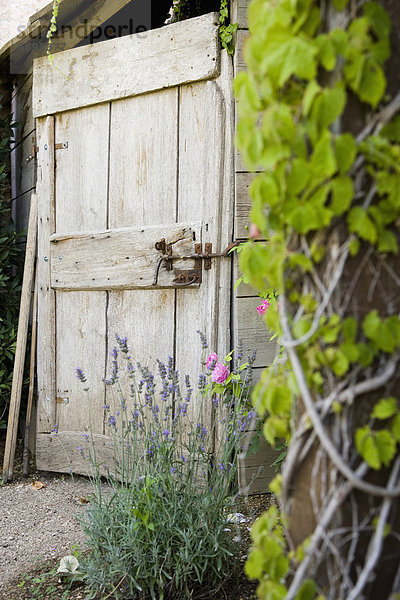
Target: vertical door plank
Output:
[(81, 205), (206, 194), (46, 339), (143, 150)]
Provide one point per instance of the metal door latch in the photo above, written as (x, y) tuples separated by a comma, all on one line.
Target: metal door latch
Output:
[(186, 277)]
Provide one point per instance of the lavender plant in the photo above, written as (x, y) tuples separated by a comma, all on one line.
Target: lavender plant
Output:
[(163, 531)]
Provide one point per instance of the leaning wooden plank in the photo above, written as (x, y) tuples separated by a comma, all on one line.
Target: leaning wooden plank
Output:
[(31, 381), (46, 338), (127, 66), (120, 258), (19, 361)]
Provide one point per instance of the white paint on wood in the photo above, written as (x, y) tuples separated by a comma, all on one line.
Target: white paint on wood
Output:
[(46, 338), (205, 188), (81, 204), (61, 453), (143, 195), (118, 259), (128, 66), (82, 169)]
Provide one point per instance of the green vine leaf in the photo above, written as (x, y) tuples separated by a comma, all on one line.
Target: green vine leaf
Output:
[(285, 54), (385, 408), (307, 591), (345, 152), (360, 223), (342, 195)]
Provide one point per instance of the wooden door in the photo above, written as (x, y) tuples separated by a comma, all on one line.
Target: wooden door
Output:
[(135, 146)]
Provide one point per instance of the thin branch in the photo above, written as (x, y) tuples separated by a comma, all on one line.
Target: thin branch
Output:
[(313, 273), (339, 495), (382, 118), (396, 585), (320, 430), (367, 385), (354, 281), (375, 545), (290, 342)]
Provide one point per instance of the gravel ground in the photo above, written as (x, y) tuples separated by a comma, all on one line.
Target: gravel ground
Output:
[(38, 524)]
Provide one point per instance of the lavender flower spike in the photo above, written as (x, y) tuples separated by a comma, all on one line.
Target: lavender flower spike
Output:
[(80, 375)]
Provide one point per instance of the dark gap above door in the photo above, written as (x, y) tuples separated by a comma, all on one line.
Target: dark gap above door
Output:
[(139, 16)]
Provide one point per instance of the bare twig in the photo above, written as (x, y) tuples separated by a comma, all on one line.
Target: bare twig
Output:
[(371, 384), (338, 497), (375, 545), (320, 430), (382, 118), (290, 342)]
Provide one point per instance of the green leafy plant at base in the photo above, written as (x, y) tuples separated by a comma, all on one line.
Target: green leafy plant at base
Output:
[(327, 200), (161, 530), (11, 263)]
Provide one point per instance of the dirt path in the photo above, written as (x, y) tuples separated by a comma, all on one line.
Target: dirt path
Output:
[(38, 523)]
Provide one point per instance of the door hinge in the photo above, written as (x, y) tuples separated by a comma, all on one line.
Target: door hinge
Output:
[(35, 150)]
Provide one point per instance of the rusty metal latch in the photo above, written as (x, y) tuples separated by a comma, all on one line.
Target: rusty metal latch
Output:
[(186, 277)]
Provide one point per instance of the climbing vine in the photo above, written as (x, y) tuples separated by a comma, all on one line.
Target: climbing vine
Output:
[(53, 27), (322, 135)]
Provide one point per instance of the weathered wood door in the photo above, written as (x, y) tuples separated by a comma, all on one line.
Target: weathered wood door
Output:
[(135, 146)]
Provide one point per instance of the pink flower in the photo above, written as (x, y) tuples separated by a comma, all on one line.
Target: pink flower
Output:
[(263, 307), (254, 231), (213, 358), (220, 373)]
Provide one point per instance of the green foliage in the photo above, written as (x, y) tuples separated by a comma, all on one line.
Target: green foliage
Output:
[(291, 100), (227, 30), (11, 259), (53, 26), (162, 529)]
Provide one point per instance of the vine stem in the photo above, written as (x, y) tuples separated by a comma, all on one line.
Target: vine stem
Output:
[(381, 119), (289, 342), (339, 495), (375, 545), (322, 434)]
